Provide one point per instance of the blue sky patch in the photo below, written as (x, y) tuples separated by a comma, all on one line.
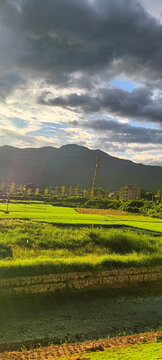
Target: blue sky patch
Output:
[(19, 123), (48, 129), (124, 84), (143, 125)]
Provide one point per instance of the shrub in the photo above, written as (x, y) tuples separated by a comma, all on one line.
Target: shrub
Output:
[(5, 252)]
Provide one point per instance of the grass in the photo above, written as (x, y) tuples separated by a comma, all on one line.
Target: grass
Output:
[(148, 351), (30, 245), (60, 215), (33, 248)]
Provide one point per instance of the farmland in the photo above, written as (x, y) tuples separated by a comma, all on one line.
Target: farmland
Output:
[(41, 212), (38, 239)]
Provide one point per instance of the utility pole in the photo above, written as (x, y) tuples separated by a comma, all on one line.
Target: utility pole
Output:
[(97, 166)]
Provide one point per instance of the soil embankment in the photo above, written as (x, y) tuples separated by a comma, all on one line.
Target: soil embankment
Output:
[(81, 281), (66, 350)]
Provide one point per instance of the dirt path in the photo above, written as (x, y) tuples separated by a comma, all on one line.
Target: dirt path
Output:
[(57, 351), (102, 212)]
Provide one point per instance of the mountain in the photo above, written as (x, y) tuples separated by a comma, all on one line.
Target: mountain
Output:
[(74, 165)]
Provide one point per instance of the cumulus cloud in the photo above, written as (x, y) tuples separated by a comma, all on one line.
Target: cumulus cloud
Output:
[(63, 37), (138, 104), (122, 133), (15, 139), (148, 158), (153, 7), (57, 62)]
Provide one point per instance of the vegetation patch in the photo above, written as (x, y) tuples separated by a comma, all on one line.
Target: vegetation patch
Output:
[(33, 248), (65, 215), (148, 351)]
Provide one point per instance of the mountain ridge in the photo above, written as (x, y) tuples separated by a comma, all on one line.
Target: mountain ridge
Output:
[(74, 165)]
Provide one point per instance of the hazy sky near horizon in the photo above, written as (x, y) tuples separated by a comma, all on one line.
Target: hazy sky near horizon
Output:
[(87, 72)]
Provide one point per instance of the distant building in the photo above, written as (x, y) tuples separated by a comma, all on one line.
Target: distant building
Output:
[(130, 192)]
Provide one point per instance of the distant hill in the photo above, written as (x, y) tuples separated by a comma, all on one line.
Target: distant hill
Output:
[(74, 165)]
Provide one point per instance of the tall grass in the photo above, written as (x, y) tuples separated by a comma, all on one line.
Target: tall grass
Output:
[(34, 248), (45, 265), (28, 235)]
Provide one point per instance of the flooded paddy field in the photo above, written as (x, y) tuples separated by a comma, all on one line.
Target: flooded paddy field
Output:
[(78, 318)]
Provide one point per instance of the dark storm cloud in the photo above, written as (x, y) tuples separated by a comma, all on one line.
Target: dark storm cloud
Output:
[(138, 104), (122, 133), (8, 83), (57, 38)]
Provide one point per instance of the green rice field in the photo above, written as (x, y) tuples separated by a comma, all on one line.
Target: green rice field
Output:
[(64, 215), (42, 239)]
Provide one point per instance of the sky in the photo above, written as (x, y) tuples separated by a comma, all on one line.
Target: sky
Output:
[(86, 72)]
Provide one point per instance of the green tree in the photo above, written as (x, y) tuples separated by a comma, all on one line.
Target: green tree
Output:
[(46, 192), (2, 185), (159, 194), (76, 191), (70, 190), (84, 192), (37, 191), (56, 190), (21, 189), (12, 187), (149, 195), (63, 190), (29, 191), (99, 192)]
